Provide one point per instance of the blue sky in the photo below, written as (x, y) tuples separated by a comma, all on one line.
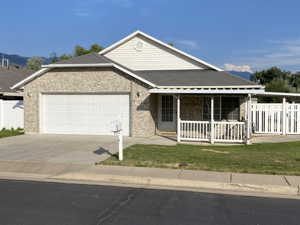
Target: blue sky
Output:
[(254, 33)]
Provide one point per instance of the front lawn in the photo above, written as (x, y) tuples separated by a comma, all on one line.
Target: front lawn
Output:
[(10, 132), (277, 158)]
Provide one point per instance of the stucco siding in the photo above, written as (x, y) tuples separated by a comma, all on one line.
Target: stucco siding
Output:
[(91, 80), (139, 53)]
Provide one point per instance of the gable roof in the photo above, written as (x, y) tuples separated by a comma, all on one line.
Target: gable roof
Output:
[(10, 76), (91, 58), (88, 60), (194, 78), (122, 41)]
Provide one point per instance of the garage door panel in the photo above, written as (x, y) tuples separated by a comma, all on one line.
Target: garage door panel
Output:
[(84, 114)]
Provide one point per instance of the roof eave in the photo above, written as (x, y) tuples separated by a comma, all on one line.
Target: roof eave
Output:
[(78, 65)]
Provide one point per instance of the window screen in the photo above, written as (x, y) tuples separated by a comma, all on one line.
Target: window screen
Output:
[(166, 108)]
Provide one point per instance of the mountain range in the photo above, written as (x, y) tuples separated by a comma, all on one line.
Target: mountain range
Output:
[(15, 59), (21, 61)]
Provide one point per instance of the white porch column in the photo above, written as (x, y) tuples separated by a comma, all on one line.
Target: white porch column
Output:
[(212, 126), (178, 119), (249, 122), (284, 116), (1, 114)]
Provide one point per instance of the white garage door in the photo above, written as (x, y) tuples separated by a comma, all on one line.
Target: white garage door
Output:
[(84, 113)]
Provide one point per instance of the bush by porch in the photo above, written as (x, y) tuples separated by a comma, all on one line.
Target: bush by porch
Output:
[(11, 132), (267, 158)]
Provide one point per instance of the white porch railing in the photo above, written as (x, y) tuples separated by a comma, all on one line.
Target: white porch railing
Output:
[(276, 118), (230, 131), (233, 132), (195, 130)]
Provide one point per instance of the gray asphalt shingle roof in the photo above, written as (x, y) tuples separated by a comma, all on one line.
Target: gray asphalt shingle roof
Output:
[(192, 78), (170, 77), (11, 76), (91, 58)]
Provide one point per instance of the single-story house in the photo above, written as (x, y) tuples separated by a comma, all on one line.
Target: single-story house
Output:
[(147, 85), (11, 101)]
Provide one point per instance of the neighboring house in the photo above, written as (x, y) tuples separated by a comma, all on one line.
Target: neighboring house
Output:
[(151, 87), (11, 101)]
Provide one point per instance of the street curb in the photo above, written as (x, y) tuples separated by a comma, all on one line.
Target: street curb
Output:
[(179, 183)]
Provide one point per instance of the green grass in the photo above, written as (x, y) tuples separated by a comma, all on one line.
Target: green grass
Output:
[(277, 158), (11, 132)]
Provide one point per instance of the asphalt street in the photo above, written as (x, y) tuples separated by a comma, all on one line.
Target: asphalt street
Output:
[(42, 203)]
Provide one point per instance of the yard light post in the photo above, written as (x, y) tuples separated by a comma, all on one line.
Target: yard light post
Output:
[(117, 130)]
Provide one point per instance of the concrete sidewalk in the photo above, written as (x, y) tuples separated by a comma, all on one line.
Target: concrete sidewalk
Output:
[(152, 177)]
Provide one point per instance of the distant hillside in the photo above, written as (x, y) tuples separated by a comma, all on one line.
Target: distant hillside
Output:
[(15, 59), (245, 75), (19, 60)]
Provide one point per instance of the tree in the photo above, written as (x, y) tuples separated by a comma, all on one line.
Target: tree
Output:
[(277, 85), (96, 48), (53, 57), (35, 63), (295, 81), (266, 76), (65, 56), (79, 50)]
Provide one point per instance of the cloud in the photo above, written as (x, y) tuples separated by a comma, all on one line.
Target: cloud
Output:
[(81, 12), (87, 8), (120, 3), (243, 68), (282, 53), (191, 44)]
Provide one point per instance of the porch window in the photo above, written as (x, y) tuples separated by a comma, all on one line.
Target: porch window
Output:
[(230, 108), (225, 108), (167, 108)]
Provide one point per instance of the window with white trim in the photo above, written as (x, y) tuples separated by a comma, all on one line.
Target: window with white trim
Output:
[(167, 108)]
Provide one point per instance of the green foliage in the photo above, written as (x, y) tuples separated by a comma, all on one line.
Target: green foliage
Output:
[(53, 57), (79, 50), (96, 48), (266, 76), (10, 132), (295, 81), (35, 63), (65, 56), (275, 86)]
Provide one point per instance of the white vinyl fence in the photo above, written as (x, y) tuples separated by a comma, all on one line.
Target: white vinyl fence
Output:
[(234, 132), (275, 118), (11, 114)]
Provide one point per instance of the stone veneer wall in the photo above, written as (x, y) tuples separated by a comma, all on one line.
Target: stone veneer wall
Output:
[(92, 80)]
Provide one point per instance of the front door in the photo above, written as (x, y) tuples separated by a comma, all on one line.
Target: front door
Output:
[(167, 116)]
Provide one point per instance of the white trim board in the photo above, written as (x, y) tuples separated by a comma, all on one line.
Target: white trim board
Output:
[(118, 43)]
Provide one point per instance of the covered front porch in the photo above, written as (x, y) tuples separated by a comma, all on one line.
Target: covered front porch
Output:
[(222, 116), (204, 117)]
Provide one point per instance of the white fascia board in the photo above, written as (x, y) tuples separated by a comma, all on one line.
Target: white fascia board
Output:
[(214, 87), (37, 73), (189, 91), (159, 42), (78, 65), (280, 94)]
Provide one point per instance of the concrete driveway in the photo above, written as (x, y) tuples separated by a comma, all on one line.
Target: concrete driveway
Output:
[(77, 149)]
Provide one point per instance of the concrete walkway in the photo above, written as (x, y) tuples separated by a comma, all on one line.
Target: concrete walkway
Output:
[(152, 177), (275, 138)]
